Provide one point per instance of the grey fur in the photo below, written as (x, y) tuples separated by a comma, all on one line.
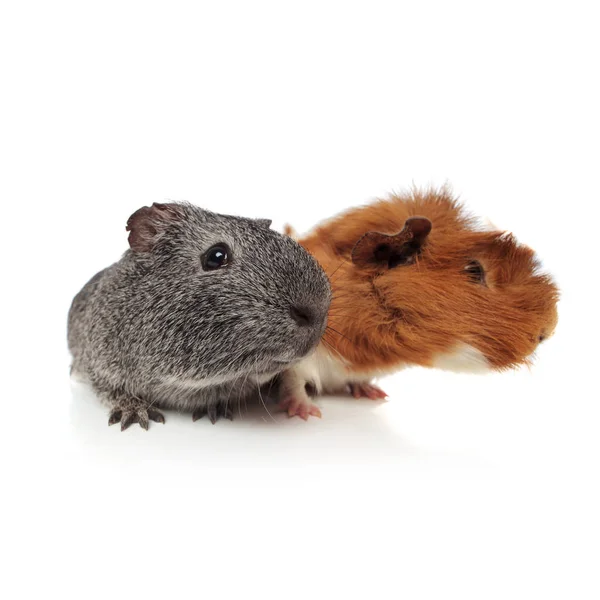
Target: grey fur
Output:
[(155, 330)]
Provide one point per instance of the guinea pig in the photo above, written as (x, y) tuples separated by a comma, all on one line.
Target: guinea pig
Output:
[(200, 310), (415, 281)]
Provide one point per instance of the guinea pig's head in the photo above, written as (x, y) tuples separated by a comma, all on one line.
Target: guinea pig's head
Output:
[(437, 291), (240, 298)]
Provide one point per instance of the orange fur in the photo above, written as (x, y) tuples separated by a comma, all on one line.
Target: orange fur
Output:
[(383, 318)]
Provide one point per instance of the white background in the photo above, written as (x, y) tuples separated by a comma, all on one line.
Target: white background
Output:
[(458, 486)]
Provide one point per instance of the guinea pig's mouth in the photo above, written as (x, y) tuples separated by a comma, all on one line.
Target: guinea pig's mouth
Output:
[(279, 364), (288, 356), (273, 365), (282, 363)]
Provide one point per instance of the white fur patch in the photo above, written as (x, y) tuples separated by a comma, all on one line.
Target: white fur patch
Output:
[(328, 373), (321, 369), (463, 359)]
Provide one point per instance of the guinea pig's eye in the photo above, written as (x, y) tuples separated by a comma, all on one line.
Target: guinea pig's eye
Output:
[(475, 272), (215, 257)]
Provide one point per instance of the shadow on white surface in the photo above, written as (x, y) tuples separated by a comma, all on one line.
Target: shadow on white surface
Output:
[(351, 431)]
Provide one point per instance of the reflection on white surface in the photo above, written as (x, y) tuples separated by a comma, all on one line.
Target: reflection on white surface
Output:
[(258, 436), (448, 465)]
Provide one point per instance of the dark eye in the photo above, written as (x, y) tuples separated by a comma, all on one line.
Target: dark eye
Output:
[(215, 258), (475, 272)]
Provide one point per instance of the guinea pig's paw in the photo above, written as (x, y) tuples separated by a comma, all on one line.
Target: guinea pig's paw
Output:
[(366, 390), (214, 412), (296, 406), (136, 414)]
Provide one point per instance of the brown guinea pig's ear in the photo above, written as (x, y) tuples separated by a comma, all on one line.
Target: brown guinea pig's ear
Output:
[(290, 231), (147, 224), (380, 249)]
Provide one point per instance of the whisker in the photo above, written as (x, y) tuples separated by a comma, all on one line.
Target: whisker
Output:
[(261, 398), (331, 348), (235, 381), (242, 396), (329, 328), (342, 316), (337, 269)]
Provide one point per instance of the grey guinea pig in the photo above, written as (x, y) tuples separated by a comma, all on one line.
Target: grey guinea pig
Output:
[(200, 310)]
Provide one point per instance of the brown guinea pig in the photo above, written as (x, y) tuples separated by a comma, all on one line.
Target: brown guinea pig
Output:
[(415, 281)]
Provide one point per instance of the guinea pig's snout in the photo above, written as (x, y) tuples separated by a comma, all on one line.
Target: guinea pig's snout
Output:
[(309, 322), (545, 334), (549, 328), (304, 316)]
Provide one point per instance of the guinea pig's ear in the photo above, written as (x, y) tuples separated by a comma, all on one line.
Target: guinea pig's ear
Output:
[(290, 232), (266, 223), (147, 224), (378, 249)]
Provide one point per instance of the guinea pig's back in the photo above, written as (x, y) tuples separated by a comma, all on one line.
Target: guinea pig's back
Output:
[(78, 321), (339, 234)]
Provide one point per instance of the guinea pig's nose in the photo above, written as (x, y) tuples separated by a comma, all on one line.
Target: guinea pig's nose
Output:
[(303, 315), (545, 334)]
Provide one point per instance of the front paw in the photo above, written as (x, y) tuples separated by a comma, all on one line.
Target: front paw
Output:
[(297, 406), (366, 390), (135, 414), (214, 412)]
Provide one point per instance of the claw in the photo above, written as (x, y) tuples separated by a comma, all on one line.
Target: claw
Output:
[(214, 412), (142, 419), (225, 411), (302, 408), (135, 414), (115, 417), (155, 416), (366, 390), (314, 411), (127, 419), (198, 413)]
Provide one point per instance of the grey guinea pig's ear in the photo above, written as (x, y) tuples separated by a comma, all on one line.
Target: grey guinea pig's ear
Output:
[(266, 223), (147, 224), (380, 249)]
